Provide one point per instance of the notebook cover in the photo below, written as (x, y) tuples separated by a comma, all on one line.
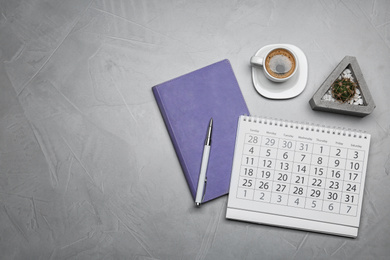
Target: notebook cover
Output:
[(187, 103)]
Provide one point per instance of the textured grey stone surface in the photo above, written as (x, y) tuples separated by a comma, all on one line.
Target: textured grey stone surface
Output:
[(317, 103), (87, 168)]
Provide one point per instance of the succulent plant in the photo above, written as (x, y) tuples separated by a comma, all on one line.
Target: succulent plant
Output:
[(343, 89)]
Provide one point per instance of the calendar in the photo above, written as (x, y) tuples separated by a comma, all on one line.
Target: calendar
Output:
[(298, 176)]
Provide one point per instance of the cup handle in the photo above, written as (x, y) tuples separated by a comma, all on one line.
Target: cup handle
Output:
[(255, 60)]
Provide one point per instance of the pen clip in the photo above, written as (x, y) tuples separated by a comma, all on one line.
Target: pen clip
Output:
[(205, 187)]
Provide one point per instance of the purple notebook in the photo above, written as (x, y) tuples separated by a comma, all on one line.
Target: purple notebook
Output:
[(187, 103)]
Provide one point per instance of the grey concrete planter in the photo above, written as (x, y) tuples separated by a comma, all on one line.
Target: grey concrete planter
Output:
[(317, 102)]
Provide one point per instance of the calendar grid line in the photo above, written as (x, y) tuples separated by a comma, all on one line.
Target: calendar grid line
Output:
[(277, 184)]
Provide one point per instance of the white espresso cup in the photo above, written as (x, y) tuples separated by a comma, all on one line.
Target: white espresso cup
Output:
[(279, 64)]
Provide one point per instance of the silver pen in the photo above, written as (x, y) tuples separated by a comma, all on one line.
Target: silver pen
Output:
[(203, 169)]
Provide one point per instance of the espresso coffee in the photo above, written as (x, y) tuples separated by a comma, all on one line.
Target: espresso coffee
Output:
[(280, 63)]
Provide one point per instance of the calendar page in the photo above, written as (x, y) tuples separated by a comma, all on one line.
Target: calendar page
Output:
[(298, 176)]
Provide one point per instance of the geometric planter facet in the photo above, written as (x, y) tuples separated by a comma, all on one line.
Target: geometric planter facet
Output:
[(361, 104)]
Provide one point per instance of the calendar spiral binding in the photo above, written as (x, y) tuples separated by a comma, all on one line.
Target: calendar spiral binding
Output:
[(307, 126)]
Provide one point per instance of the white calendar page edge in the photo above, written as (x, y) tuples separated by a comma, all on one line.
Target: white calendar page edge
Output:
[(292, 212), (290, 222)]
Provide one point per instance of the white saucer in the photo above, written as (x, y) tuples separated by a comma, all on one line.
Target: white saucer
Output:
[(288, 89)]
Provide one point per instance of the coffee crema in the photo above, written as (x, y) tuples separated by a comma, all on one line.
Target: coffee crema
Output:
[(280, 63)]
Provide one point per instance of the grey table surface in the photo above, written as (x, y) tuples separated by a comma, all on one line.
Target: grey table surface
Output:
[(87, 168)]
